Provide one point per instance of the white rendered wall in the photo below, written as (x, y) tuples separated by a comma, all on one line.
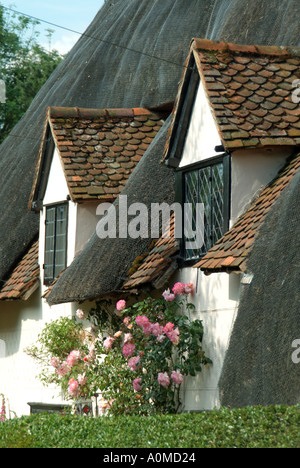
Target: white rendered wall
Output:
[(20, 324), (22, 321), (251, 171), (57, 188), (87, 220), (216, 297), (202, 129)]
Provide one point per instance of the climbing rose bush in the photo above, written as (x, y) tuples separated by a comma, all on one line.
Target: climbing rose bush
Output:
[(160, 346), (135, 359)]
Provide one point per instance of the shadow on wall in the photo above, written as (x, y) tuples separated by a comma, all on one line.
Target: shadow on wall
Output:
[(16, 316)]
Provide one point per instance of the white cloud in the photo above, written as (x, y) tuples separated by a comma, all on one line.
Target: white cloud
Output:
[(65, 43)]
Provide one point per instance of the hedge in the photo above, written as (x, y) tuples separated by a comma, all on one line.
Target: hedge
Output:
[(252, 427)]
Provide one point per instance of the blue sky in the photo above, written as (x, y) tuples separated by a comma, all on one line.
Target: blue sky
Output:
[(73, 14)]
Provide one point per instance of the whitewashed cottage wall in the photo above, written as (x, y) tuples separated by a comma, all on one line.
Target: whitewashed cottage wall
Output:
[(22, 321), (216, 297), (20, 324)]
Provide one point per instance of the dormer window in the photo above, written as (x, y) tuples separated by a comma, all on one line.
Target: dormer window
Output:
[(56, 228)]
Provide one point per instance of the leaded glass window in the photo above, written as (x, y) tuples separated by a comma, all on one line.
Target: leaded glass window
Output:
[(206, 185), (56, 227)]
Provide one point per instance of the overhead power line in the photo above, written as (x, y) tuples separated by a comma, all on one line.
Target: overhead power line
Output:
[(105, 41), (182, 66)]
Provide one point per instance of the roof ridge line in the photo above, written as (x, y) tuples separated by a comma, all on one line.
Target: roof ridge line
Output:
[(222, 46), (89, 113)]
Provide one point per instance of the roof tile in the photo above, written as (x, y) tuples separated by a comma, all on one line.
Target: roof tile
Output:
[(25, 277), (245, 82), (95, 141)]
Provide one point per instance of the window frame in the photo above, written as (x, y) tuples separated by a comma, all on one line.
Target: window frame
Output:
[(225, 159), (48, 281)]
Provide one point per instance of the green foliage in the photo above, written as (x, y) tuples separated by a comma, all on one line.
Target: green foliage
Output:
[(136, 368), (252, 427), (58, 338), (24, 66)]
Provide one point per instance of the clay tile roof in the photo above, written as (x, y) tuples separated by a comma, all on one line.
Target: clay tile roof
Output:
[(24, 279), (156, 266), (231, 252), (250, 90), (99, 148)]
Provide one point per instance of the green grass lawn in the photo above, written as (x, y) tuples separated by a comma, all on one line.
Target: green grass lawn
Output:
[(253, 427)]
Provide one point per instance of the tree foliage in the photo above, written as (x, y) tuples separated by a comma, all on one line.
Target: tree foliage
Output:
[(24, 66)]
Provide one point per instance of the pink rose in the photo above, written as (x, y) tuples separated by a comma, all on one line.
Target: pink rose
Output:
[(80, 314), (168, 296), (63, 369), (81, 379), (133, 363), (127, 321), (168, 328), (127, 338), (178, 288), (163, 379), (147, 329), (55, 362), (137, 385), (73, 388), (177, 377), (73, 357), (172, 334), (158, 331), (118, 334), (188, 288), (128, 349), (121, 305), (141, 320), (108, 343)]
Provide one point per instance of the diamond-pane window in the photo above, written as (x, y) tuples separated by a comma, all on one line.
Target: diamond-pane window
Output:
[(56, 228), (208, 184)]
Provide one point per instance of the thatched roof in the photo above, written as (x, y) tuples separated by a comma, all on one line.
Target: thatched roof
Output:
[(131, 56), (154, 268)]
